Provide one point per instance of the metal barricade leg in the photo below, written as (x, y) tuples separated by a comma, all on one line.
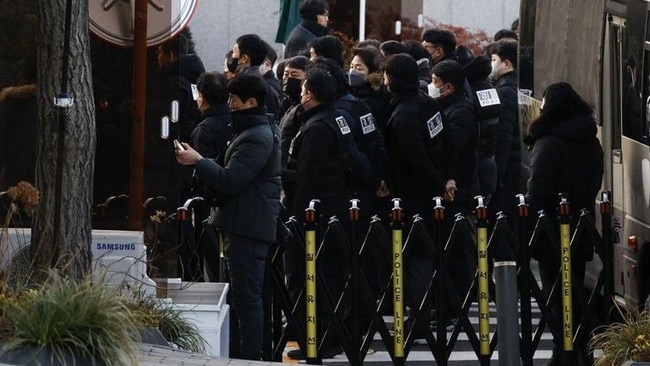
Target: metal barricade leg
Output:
[(505, 274)]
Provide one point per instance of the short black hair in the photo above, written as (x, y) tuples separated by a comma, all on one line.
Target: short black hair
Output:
[(505, 33), (506, 50), (416, 49), (329, 47), (270, 53), (252, 46), (309, 9), (370, 56), (335, 72), (403, 72), (248, 85), (321, 84), (392, 47), (213, 86), (450, 71), (441, 38), (297, 62)]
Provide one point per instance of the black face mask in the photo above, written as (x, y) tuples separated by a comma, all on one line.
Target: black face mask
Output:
[(356, 79), (292, 88), (232, 65)]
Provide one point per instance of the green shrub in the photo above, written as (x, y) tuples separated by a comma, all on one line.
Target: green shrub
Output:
[(65, 316), (628, 340)]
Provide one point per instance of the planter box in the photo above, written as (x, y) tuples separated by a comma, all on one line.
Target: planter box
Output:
[(43, 356), (204, 304)]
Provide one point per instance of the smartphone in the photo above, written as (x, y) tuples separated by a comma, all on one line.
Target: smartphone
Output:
[(178, 146)]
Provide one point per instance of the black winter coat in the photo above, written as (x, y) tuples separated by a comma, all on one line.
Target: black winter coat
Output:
[(488, 110), (297, 43), (289, 127), (319, 155), (369, 163), (463, 135), (415, 141), (508, 147), (377, 100), (210, 137), (566, 158), (251, 176)]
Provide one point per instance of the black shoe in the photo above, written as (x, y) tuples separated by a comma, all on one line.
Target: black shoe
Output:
[(296, 354), (329, 352)]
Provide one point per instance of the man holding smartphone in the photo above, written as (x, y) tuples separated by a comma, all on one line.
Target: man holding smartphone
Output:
[(250, 181)]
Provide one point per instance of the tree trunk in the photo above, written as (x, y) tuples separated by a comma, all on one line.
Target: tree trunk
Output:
[(69, 244)]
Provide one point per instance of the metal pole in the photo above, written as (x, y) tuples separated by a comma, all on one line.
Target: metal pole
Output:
[(565, 273), (505, 275), (483, 284), (524, 283), (354, 281), (139, 81), (398, 282), (441, 294), (310, 280)]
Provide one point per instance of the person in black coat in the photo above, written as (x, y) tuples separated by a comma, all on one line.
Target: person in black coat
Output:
[(416, 136), (366, 83), (319, 156), (415, 139), (508, 140), (448, 79), (487, 106), (314, 16), (566, 158), (210, 139), (250, 181)]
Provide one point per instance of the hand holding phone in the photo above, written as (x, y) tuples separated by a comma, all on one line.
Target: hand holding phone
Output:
[(178, 146)]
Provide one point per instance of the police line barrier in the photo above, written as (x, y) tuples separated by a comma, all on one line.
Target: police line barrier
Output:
[(321, 313)]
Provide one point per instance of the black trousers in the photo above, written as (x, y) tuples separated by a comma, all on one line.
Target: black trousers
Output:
[(246, 259)]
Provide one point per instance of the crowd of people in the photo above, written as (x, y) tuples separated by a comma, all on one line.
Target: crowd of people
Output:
[(414, 119)]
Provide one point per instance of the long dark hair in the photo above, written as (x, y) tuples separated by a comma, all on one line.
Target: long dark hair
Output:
[(561, 103)]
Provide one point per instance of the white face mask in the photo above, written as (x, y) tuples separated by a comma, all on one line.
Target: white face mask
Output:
[(434, 91), (496, 70)]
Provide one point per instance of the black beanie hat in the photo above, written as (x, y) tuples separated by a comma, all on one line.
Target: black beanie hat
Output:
[(309, 9), (403, 71), (478, 69)]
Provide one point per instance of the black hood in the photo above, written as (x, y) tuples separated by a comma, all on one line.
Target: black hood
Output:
[(577, 129)]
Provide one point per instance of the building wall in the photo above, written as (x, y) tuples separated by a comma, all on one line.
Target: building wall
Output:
[(487, 15), (216, 25)]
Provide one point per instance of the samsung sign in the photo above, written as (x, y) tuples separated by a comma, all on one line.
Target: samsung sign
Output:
[(115, 246)]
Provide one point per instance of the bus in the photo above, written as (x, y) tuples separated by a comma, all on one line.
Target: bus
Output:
[(602, 47)]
